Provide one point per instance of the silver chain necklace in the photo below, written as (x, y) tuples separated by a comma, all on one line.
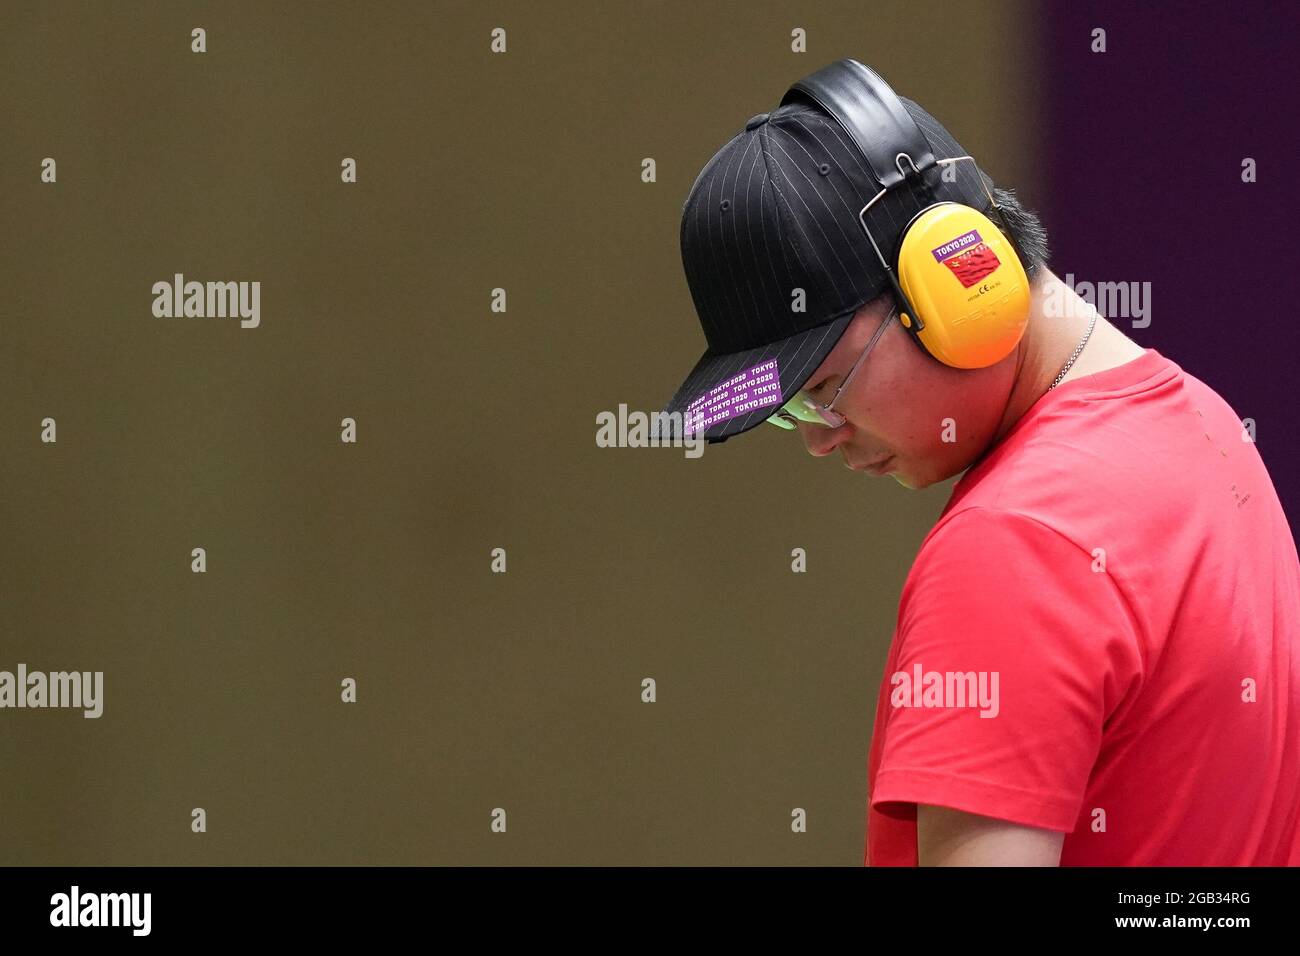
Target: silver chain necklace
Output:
[(1075, 354)]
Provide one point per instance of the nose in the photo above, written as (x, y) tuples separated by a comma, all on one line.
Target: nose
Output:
[(820, 440)]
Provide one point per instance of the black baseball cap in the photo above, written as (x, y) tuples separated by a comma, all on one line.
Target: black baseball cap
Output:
[(774, 211)]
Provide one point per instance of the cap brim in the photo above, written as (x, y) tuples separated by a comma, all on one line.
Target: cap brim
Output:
[(717, 386)]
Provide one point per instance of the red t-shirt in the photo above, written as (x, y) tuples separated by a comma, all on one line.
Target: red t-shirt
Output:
[(1101, 636)]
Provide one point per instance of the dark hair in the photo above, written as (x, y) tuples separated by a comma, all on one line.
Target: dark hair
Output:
[(1029, 234)]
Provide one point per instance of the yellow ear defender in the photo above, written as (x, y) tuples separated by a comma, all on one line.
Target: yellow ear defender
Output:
[(966, 284), (962, 289)]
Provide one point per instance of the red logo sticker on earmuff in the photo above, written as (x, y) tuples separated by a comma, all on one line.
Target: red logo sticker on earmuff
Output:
[(968, 257)]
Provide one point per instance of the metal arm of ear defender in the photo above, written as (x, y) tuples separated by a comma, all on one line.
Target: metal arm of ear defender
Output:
[(916, 325), (993, 203)]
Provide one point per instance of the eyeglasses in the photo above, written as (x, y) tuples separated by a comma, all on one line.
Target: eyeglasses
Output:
[(802, 407)]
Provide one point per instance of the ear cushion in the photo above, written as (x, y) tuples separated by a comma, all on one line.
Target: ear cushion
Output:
[(964, 278)]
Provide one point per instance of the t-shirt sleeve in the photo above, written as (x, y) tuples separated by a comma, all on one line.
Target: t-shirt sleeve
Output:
[(1013, 648)]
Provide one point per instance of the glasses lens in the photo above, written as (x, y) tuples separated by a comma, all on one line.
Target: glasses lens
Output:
[(825, 416), (805, 409)]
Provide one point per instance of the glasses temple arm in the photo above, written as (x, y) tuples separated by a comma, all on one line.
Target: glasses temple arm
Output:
[(893, 313)]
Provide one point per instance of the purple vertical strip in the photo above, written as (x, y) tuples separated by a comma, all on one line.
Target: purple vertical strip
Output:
[(1143, 147)]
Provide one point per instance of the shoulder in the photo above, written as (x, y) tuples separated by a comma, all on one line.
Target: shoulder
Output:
[(980, 568), (976, 532)]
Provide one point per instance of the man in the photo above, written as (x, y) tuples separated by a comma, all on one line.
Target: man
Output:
[(1096, 659)]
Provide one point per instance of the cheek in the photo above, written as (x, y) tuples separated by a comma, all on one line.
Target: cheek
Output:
[(961, 415), (907, 404), (905, 399), (940, 416), (912, 403)]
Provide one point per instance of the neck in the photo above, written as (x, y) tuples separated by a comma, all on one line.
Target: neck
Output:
[(1058, 320)]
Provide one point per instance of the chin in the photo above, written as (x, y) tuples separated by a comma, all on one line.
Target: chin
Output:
[(913, 482), (918, 482)]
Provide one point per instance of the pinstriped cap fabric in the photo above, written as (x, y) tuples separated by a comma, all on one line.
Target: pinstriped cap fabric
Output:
[(775, 211)]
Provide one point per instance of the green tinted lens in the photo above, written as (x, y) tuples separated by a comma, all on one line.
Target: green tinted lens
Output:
[(803, 408), (810, 410)]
